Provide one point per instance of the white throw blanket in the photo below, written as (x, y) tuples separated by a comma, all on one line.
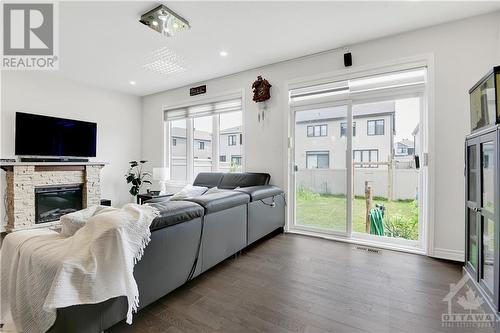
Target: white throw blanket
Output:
[(42, 270)]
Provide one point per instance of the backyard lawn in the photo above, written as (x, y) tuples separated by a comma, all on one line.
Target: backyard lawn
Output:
[(329, 212)]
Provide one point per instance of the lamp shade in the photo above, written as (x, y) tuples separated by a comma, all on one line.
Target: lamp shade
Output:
[(161, 174)]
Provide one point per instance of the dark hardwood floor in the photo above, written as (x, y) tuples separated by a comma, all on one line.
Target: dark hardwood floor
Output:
[(293, 283)]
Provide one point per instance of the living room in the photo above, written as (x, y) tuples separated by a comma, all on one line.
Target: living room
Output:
[(302, 166)]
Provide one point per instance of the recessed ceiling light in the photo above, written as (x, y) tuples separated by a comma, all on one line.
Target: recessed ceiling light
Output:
[(132, 83), (223, 53)]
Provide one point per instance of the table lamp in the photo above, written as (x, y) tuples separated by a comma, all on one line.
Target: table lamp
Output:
[(162, 175)]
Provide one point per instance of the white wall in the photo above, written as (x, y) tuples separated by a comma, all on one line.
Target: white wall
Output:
[(118, 118), (463, 52)]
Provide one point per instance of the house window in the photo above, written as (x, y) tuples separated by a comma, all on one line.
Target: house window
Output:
[(362, 158), (317, 130), (376, 127), (230, 129), (236, 160), (343, 129), (317, 160), (194, 132), (401, 151), (178, 155)]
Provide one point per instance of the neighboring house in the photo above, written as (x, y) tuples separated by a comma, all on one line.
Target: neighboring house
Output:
[(230, 151), (320, 136), (230, 147), (404, 147)]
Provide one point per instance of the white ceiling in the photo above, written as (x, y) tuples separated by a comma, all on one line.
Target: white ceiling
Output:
[(103, 44)]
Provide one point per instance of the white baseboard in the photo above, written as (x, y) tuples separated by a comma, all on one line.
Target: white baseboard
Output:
[(448, 254)]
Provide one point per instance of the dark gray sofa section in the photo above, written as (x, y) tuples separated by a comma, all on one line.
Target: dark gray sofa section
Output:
[(226, 222), (266, 210)]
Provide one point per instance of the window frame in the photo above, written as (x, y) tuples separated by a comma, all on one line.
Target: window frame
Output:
[(370, 152), (316, 153), (343, 126), (231, 140), (374, 121), (316, 131)]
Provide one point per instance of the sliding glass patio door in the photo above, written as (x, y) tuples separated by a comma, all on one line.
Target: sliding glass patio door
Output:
[(358, 158), (321, 167)]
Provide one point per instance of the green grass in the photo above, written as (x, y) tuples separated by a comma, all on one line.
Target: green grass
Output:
[(329, 212)]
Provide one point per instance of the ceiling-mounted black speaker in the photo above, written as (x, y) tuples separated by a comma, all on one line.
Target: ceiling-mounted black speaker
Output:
[(347, 59)]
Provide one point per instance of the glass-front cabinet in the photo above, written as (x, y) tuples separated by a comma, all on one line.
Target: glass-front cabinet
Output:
[(485, 101), (482, 209)]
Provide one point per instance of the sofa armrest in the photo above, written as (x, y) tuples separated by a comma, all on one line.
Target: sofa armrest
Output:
[(260, 192)]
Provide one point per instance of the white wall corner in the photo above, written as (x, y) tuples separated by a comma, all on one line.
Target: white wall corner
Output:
[(448, 254)]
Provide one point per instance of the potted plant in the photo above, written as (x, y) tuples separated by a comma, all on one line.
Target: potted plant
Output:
[(136, 176)]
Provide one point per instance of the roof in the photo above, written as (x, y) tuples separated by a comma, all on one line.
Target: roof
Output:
[(178, 132), (235, 129), (340, 112), (407, 143)]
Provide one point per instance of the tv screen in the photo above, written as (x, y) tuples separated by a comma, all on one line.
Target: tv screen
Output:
[(38, 135)]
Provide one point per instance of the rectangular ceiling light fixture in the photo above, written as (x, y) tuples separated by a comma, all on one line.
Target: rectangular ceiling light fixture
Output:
[(164, 20)]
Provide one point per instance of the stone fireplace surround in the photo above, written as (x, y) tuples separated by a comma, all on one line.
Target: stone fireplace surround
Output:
[(23, 177)]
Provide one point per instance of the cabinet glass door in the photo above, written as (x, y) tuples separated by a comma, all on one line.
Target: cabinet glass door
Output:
[(487, 215), (472, 245)]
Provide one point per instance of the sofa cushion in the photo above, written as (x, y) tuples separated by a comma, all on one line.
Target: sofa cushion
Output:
[(208, 179), (174, 212), (234, 180), (221, 200), (260, 192)]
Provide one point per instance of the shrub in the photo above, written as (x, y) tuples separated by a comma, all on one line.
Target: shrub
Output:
[(403, 226)]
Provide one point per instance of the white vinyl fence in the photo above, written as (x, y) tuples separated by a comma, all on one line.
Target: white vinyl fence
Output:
[(333, 181)]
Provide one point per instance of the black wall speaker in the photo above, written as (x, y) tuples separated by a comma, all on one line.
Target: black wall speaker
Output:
[(347, 59)]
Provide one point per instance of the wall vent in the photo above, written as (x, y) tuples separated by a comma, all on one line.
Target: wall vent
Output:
[(368, 249)]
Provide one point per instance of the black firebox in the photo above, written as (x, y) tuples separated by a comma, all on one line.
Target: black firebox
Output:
[(51, 202)]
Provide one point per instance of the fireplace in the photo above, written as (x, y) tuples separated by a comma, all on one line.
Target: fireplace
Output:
[(51, 202)]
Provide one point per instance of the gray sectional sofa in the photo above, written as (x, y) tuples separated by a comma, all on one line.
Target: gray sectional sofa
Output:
[(188, 238)]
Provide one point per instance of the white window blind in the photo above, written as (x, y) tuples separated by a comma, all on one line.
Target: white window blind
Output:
[(206, 109), (411, 77)]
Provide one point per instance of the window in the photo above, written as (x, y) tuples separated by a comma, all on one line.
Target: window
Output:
[(202, 144), (343, 129), (178, 152), (317, 130), (402, 151), (363, 157), (235, 160), (194, 128), (376, 127), (230, 125), (317, 160)]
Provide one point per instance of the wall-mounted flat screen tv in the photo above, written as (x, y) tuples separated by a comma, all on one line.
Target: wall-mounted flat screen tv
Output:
[(38, 135)]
